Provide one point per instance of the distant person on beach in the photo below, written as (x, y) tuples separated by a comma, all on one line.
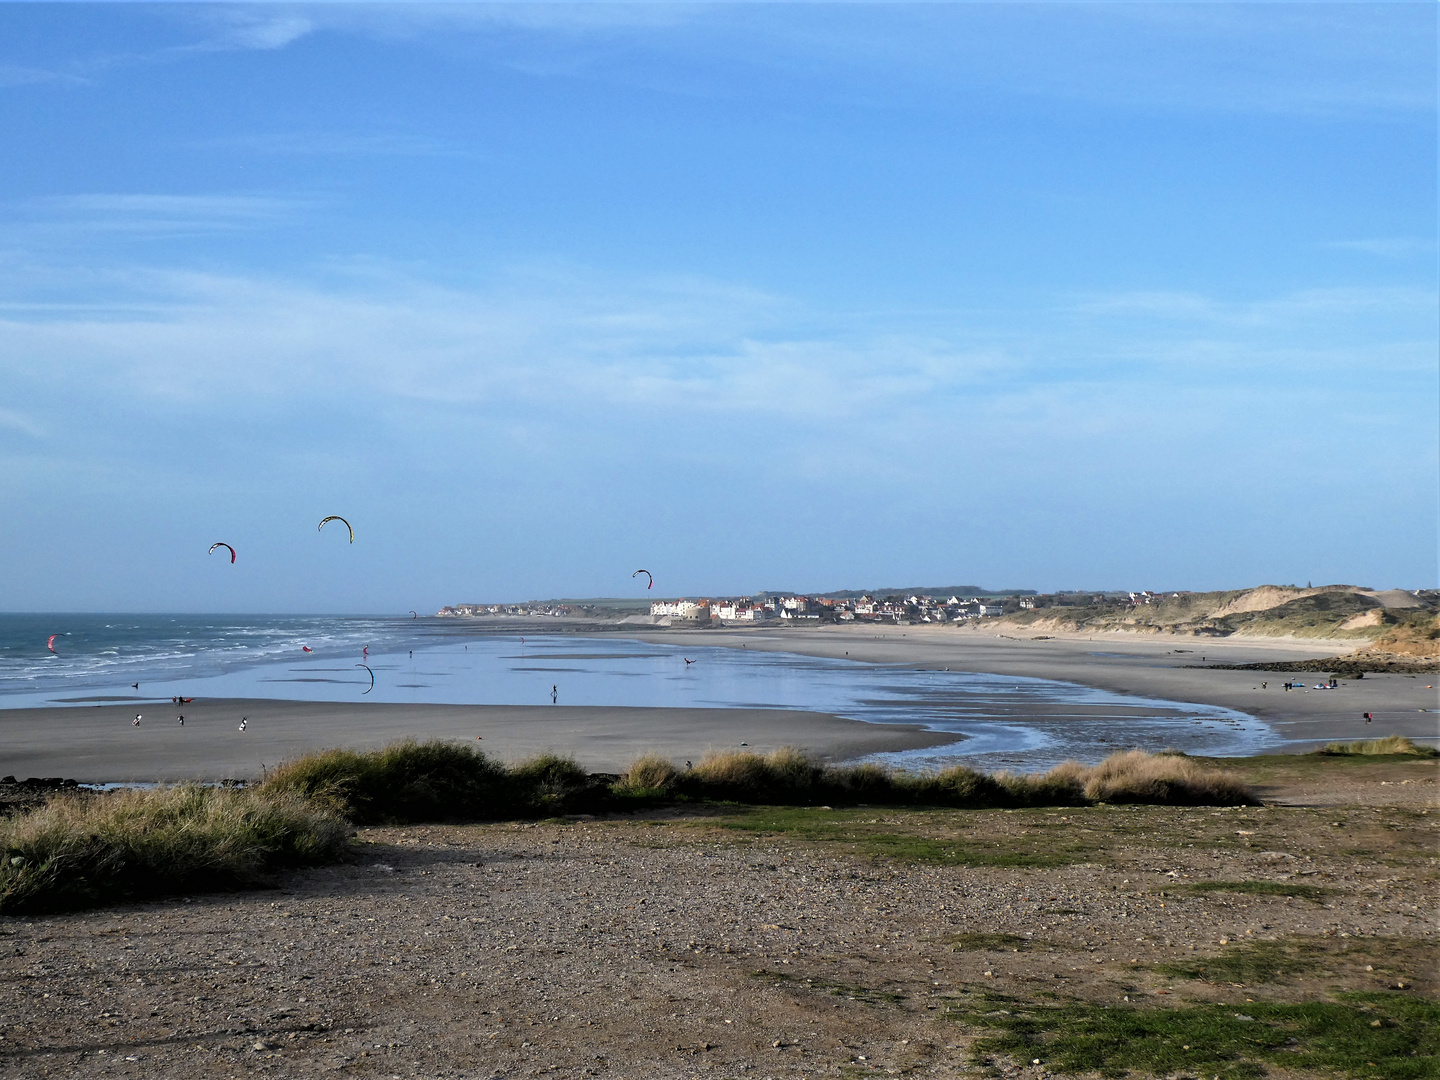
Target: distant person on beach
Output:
[(136, 721), (1368, 718), (554, 694), (182, 721)]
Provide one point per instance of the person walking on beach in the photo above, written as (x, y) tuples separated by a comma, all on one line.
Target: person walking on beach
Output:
[(1368, 718), (555, 694), (136, 721), (182, 721), (243, 721)]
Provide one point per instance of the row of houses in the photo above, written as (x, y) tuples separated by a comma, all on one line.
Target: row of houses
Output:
[(817, 609), (802, 609)]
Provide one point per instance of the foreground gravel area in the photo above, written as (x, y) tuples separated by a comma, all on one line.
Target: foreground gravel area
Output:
[(754, 943)]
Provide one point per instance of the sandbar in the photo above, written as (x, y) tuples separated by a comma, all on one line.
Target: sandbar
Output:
[(100, 744)]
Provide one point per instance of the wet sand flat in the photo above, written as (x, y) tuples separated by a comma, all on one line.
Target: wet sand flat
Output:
[(1149, 666), (100, 744)]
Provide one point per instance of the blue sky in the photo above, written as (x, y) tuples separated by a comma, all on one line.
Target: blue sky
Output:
[(755, 296)]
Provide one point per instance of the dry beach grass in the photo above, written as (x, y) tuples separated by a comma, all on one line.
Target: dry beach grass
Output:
[(83, 848)]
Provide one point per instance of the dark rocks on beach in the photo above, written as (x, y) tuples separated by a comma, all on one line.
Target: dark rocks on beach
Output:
[(1345, 666), (23, 794)]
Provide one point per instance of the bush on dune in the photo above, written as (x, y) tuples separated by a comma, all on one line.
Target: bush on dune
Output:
[(78, 850), (550, 784), (405, 782)]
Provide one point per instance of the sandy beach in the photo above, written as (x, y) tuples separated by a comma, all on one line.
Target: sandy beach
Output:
[(101, 745), (1160, 666)]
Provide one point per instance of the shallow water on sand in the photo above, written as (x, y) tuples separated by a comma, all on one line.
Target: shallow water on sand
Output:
[(1005, 721)]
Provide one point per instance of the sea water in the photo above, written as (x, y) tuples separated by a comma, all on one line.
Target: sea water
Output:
[(1005, 721)]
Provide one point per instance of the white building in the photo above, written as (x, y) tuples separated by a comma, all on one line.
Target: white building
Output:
[(687, 610)]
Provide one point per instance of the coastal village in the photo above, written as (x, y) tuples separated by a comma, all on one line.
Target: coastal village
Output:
[(890, 608), (1396, 620)]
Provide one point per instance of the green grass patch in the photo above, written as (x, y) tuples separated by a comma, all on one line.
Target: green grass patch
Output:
[(1253, 962), (1261, 888), (872, 836), (81, 850), (1385, 1036)]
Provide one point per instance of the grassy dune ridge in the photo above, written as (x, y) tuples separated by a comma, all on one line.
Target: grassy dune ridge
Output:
[(83, 849)]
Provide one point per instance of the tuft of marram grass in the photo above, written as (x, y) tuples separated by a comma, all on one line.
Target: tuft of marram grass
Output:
[(1390, 744), (78, 850), (648, 775), (1137, 777)]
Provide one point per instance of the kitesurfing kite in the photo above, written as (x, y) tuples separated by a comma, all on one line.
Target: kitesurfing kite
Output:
[(227, 547), (337, 517), (306, 648), (637, 573), (372, 679), (51, 643), (413, 615)]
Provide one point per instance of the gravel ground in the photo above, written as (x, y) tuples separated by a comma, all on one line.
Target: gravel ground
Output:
[(748, 944)]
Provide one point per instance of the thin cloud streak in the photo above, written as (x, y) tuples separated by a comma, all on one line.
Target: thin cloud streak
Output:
[(565, 342), (141, 214)]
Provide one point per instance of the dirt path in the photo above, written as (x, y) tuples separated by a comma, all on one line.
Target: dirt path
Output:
[(780, 943)]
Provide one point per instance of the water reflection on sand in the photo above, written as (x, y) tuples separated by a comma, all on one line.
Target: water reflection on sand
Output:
[(1005, 721)]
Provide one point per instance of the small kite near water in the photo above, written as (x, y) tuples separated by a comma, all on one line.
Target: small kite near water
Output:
[(51, 643), (372, 679), (227, 547), (306, 648), (337, 517), (648, 577), (413, 615)]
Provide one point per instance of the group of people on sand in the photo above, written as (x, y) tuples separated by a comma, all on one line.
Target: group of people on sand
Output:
[(1331, 685)]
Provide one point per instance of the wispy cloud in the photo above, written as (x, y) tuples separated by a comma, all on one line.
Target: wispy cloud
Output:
[(553, 342), (18, 421), (19, 75), (380, 144), (146, 215), (1288, 310), (252, 29), (1392, 247)]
